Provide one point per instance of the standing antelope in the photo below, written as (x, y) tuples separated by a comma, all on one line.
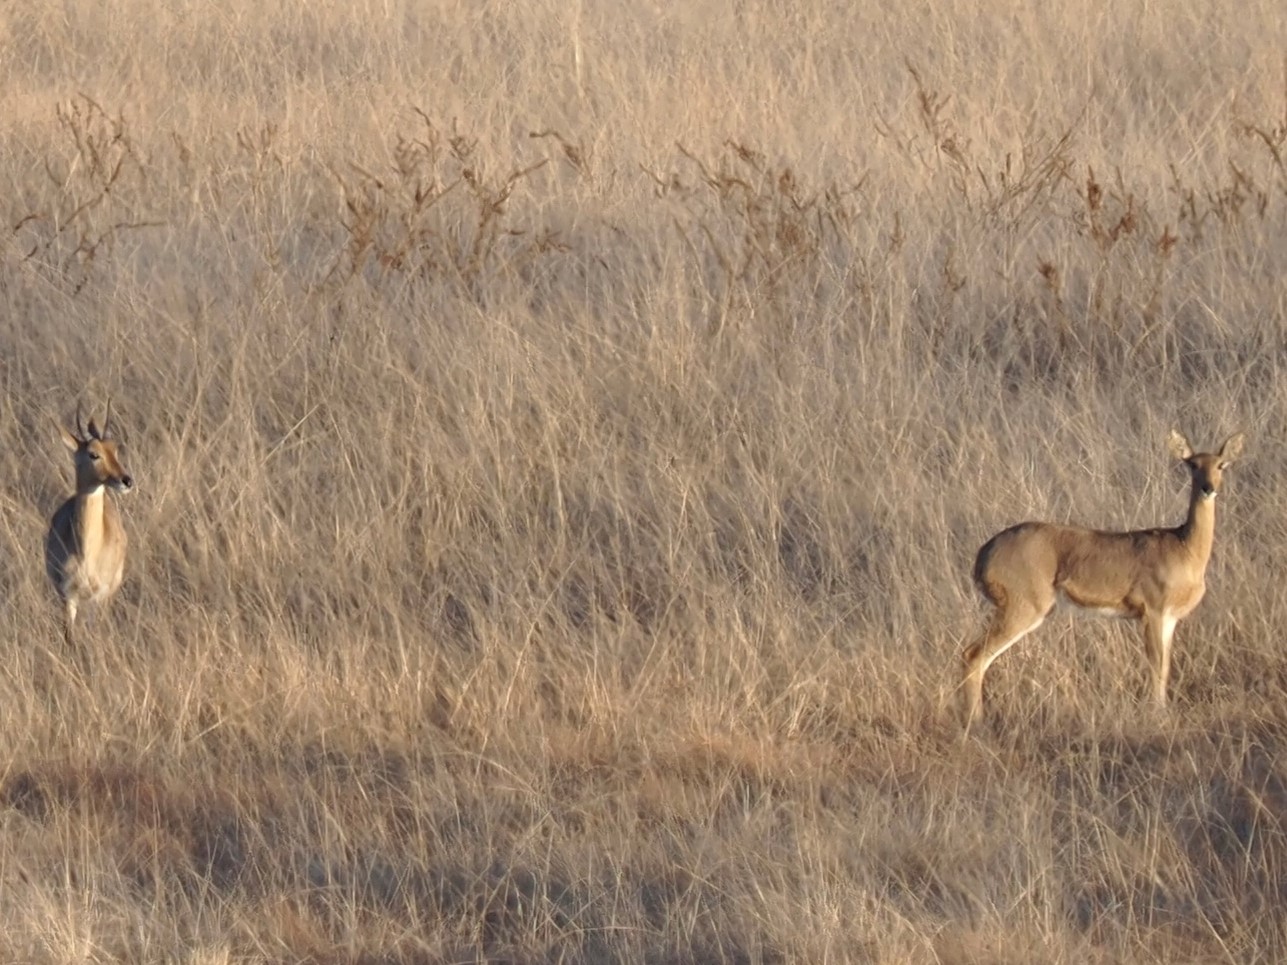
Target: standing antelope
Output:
[(1156, 576), (85, 547)]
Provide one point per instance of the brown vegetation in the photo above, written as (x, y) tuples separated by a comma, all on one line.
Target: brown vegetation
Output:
[(562, 436)]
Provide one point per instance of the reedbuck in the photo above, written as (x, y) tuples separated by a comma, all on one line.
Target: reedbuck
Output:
[(85, 547), (1156, 576)]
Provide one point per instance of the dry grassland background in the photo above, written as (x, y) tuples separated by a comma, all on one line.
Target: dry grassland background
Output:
[(562, 434)]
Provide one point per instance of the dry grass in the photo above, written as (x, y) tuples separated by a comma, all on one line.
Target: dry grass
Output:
[(563, 432)]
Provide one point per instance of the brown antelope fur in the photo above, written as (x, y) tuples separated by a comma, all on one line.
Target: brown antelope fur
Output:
[(85, 547), (1156, 576)]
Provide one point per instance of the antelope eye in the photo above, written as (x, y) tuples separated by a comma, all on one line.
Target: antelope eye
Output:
[(93, 455)]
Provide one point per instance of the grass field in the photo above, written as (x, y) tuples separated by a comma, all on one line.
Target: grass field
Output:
[(562, 434)]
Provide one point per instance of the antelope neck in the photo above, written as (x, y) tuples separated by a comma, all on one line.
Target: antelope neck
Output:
[(1198, 530), (89, 520)]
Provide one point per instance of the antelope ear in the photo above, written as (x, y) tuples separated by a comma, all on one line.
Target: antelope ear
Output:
[(69, 440), (1232, 448), (1178, 445), (93, 430)]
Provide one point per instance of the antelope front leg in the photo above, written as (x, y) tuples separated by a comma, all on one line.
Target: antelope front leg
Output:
[(1159, 628), (69, 623)]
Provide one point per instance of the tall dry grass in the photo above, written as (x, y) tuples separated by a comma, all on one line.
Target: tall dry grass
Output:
[(563, 432)]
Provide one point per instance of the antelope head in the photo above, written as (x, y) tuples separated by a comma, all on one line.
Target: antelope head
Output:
[(98, 457)]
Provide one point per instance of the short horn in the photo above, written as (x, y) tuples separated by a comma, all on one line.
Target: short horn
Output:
[(80, 428), (107, 419)]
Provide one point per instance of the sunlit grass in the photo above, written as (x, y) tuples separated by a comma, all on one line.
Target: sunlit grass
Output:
[(562, 437)]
